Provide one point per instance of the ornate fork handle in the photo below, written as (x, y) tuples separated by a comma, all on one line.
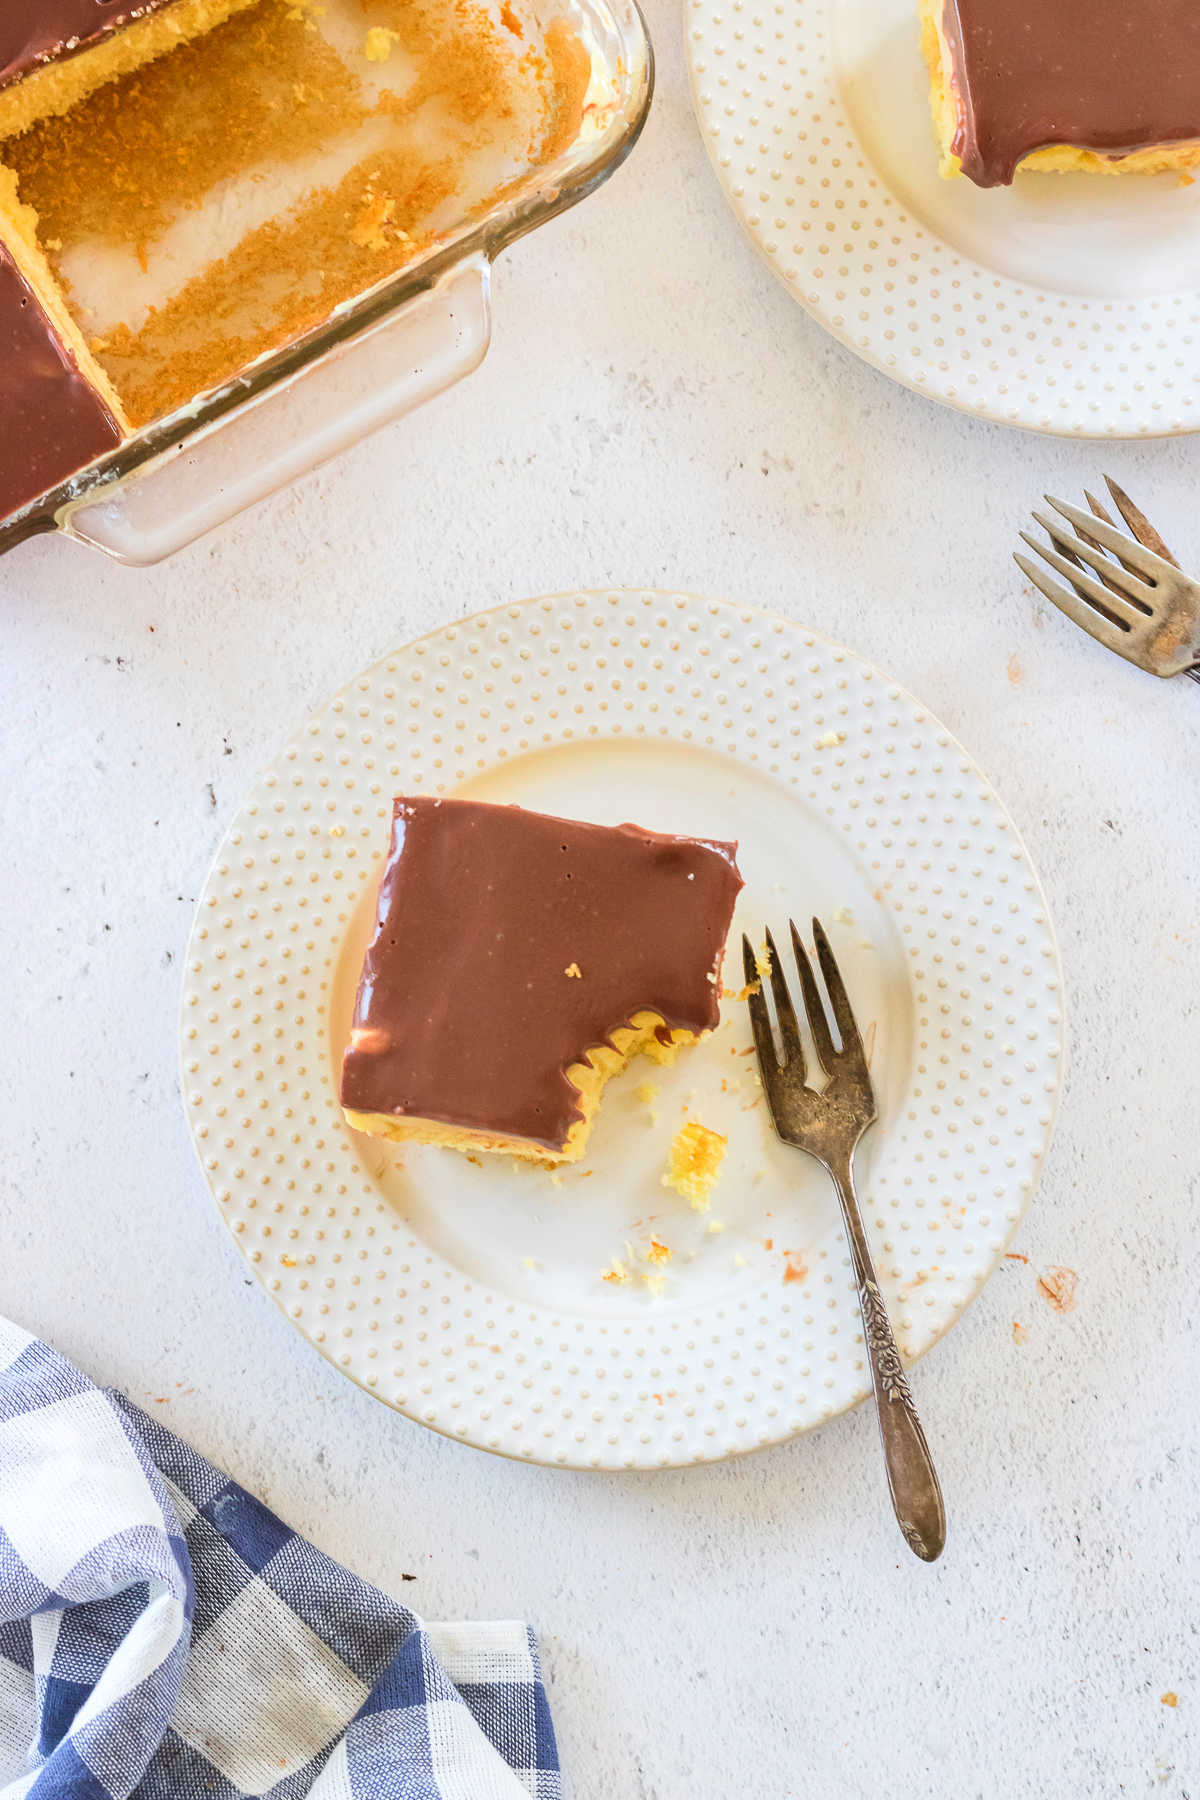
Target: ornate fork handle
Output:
[(912, 1479)]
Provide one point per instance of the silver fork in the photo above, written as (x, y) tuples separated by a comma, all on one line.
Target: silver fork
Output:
[(829, 1126), (1142, 606)]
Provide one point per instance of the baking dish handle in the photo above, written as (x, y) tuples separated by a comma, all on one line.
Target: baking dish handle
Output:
[(377, 376)]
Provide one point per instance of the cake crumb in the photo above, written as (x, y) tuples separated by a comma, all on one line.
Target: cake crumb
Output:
[(694, 1164), (378, 44), (1019, 1332), (367, 231), (555, 1178), (289, 1262), (739, 1261), (1170, 1698), (1057, 1288), (615, 1272), (573, 972), (843, 916), (831, 740), (762, 962), (654, 1283), (715, 1227), (646, 1092), (305, 12), (742, 993), (337, 831), (658, 1253)]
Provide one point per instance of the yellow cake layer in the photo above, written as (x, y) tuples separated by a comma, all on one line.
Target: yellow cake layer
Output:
[(639, 1038), (18, 233), (53, 89), (1053, 159)]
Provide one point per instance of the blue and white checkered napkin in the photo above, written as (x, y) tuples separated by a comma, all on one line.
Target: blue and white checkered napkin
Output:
[(163, 1635)]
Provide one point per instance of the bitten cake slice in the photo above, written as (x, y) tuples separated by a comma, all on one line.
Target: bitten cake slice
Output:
[(1061, 86), (518, 962), (53, 53)]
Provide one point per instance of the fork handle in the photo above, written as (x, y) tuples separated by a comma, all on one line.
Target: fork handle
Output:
[(912, 1478)]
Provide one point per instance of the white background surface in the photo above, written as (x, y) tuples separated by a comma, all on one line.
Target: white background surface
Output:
[(657, 410)]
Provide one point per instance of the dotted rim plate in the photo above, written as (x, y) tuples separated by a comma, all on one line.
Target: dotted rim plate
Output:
[(257, 1058), (797, 176)]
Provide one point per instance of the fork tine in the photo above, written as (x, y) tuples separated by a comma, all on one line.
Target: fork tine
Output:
[(1097, 624), (1063, 540), (1116, 605), (760, 1019), (1119, 580), (839, 999), (814, 1006), (1137, 522), (1102, 513), (1134, 555), (789, 1030)]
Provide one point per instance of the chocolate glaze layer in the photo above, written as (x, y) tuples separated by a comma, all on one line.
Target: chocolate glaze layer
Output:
[(466, 1013), (54, 422), (1109, 75), (33, 32)]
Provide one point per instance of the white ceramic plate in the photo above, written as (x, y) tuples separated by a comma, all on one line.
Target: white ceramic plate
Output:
[(472, 1297), (1065, 304)]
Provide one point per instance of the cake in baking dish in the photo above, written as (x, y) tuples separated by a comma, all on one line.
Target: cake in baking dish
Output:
[(518, 961), (1063, 86), (54, 53), (187, 186)]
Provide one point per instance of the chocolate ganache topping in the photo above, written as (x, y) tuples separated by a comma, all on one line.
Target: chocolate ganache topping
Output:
[(1112, 76), (33, 32), (508, 943), (54, 421)]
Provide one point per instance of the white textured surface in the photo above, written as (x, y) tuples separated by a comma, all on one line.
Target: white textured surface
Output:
[(474, 1299), (657, 409)]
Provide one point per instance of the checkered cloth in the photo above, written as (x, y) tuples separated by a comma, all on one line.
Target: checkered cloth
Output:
[(164, 1636)]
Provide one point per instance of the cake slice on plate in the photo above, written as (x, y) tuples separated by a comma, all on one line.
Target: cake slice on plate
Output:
[(519, 961), (1096, 87)]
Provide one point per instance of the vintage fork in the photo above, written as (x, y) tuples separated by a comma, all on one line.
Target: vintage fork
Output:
[(829, 1126), (1142, 606)]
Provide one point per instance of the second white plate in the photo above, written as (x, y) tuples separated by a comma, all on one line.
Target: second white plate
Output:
[(1066, 304), (472, 1297)]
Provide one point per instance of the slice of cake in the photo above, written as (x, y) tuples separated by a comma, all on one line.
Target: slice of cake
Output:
[(53, 53), (1060, 86), (61, 421), (518, 962)]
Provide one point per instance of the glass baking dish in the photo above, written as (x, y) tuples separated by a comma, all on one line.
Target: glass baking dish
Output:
[(376, 358)]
